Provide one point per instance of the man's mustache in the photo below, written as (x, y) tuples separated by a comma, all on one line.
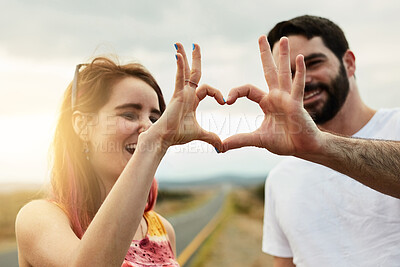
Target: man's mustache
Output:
[(315, 86)]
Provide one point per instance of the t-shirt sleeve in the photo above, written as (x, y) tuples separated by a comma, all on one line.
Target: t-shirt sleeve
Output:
[(274, 241)]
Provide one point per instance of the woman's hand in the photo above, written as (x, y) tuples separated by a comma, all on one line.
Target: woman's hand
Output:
[(178, 124)]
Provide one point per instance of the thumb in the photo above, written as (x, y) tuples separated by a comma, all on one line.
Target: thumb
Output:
[(211, 138), (238, 141)]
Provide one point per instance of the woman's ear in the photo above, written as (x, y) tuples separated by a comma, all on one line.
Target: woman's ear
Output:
[(80, 125)]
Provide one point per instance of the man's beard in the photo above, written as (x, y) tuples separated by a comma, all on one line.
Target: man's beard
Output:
[(337, 92)]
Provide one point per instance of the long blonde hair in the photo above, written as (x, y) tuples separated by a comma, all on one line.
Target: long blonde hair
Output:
[(74, 185)]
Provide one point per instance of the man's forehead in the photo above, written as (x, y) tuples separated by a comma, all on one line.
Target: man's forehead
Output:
[(299, 44)]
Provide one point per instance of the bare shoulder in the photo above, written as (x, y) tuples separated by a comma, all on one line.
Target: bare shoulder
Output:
[(170, 232), (34, 218), (42, 230), (168, 226), (39, 210)]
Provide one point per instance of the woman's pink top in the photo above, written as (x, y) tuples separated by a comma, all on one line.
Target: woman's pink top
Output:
[(154, 249)]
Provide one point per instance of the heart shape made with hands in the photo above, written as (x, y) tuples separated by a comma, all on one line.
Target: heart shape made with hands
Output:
[(284, 125), (241, 129), (229, 120), (278, 123)]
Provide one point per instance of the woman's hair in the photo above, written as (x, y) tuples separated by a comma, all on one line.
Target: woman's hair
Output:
[(74, 185)]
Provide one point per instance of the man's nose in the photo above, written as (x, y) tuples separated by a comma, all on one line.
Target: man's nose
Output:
[(308, 78)]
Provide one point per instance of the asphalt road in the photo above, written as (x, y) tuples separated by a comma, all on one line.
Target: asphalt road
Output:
[(187, 225), (9, 259)]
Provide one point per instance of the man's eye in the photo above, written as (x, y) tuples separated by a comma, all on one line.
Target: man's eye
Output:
[(313, 63)]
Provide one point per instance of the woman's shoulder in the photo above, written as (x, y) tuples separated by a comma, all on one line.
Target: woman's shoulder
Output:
[(169, 229), (44, 235), (164, 222), (38, 208), (159, 224), (168, 226), (37, 214)]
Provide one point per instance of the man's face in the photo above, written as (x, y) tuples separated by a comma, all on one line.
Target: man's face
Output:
[(327, 84)]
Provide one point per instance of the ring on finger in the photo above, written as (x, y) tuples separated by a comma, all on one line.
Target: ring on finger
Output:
[(192, 83)]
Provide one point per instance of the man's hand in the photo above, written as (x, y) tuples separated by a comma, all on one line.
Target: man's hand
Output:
[(287, 128)]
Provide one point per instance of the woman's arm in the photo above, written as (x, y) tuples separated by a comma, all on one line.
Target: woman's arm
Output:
[(45, 237)]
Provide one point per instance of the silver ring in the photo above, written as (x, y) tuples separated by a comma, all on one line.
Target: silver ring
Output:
[(193, 83)]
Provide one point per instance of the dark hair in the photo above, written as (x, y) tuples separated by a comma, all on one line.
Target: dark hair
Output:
[(312, 26)]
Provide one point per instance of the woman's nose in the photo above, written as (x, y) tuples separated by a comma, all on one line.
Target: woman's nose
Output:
[(144, 125)]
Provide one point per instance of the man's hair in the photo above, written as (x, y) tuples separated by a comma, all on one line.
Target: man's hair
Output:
[(312, 26)]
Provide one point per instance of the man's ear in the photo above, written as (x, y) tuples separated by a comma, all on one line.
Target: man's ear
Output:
[(349, 61), (80, 125)]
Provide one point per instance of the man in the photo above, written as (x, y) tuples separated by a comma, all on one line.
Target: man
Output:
[(315, 216)]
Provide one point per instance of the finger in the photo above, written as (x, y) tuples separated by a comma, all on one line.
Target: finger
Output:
[(268, 64), (299, 79), (181, 50), (180, 76), (238, 141), (211, 138), (195, 72), (206, 90), (250, 91), (285, 74)]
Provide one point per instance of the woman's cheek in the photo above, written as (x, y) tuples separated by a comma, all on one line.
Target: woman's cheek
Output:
[(127, 127)]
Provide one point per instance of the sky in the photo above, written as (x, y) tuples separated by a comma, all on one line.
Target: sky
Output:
[(41, 42)]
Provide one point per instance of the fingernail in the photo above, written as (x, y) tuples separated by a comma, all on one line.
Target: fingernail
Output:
[(216, 149), (176, 47), (193, 47), (176, 56)]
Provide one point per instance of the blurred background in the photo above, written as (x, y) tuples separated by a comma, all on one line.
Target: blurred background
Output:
[(42, 41)]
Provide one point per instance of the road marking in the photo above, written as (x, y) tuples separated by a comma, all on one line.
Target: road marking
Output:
[(200, 237)]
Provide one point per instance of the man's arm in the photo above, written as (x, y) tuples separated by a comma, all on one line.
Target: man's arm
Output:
[(288, 129), (375, 163), (283, 262)]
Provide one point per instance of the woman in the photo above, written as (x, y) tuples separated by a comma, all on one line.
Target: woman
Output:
[(110, 138)]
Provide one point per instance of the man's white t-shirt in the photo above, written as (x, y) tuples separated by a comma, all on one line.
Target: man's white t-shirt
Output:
[(321, 217)]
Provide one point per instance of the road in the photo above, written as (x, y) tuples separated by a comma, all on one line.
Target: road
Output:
[(187, 225), (9, 259)]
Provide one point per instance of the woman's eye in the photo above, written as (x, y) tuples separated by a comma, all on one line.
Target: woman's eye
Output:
[(153, 119), (129, 116)]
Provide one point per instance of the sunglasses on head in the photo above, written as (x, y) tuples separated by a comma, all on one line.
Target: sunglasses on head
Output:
[(75, 85)]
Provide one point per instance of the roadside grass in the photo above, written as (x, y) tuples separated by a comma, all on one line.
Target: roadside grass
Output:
[(201, 257), (11, 203), (237, 239), (170, 202)]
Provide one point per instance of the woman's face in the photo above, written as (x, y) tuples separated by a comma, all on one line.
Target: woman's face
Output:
[(132, 108)]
